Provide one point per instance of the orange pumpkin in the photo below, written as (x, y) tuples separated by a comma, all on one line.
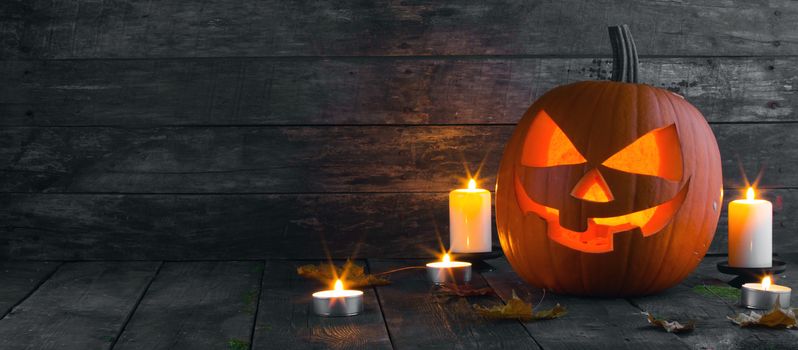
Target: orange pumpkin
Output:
[(609, 188)]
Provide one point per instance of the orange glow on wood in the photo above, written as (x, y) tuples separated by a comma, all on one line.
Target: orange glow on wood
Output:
[(592, 187), (656, 153), (551, 146)]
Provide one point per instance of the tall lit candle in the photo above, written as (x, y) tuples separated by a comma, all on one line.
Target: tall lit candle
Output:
[(469, 220), (750, 232)]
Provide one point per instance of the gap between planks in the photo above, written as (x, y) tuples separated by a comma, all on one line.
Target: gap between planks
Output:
[(36, 287), (136, 305)]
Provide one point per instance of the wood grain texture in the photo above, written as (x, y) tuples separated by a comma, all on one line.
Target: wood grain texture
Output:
[(713, 330), (138, 130), (21, 278), (789, 278), (286, 319), (185, 227), (416, 319), (599, 323), (196, 305), (329, 91), (246, 159), (138, 28), (310, 159), (83, 306)]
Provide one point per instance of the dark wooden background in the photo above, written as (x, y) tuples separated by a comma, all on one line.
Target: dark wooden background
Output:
[(134, 129)]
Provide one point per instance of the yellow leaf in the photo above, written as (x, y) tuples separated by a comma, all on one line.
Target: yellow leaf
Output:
[(778, 318), (519, 310), (353, 275), (775, 318)]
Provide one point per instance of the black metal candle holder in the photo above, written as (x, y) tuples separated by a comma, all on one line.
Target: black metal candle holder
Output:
[(477, 260), (750, 274)]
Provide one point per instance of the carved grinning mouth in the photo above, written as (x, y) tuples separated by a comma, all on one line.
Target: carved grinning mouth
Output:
[(598, 238)]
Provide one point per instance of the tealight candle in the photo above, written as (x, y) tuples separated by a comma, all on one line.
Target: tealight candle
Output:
[(750, 232), (338, 301), (764, 295), (469, 220), (448, 271)]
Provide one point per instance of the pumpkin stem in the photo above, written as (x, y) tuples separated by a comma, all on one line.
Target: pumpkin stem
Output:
[(624, 54)]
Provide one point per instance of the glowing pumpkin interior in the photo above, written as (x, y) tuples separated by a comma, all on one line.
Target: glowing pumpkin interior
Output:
[(657, 153)]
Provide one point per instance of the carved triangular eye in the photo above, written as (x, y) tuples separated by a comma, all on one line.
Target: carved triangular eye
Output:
[(547, 145), (656, 153)]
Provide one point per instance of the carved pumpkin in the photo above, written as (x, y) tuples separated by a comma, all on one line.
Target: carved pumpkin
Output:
[(609, 188)]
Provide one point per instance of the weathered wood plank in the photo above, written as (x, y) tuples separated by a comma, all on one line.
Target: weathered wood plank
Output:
[(790, 277), (286, 319), (245, 159), (82, 306), (417, 321), (196, 305), (590, 323), (395, 225), (137, 28), (67, 227), (713, 330), (19, 279), (309, 159), (362, 91)]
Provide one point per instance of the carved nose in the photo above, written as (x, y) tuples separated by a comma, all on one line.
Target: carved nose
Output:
[(592, 187)]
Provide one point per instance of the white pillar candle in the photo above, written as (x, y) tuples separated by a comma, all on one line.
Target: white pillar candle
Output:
[(469, 220), (750, 232)]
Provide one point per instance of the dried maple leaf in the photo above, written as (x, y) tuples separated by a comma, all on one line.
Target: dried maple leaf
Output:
[(517, 309), (775, 318), (353, 274), (454, 290), (549, 314), (670, 326)]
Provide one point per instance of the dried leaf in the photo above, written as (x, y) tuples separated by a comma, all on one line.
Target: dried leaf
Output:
[(354, 275), (548, 314), (775, 318), (670, 326), (517, 309), (454, 290)]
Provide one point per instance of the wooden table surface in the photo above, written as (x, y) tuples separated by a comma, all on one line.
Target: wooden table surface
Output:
[(265, 305)]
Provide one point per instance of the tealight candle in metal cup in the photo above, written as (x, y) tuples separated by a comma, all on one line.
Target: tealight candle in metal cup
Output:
[(764, 295), (338, 301), (447, 271)]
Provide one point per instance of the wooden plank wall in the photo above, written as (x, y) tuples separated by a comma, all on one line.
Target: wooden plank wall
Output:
[(243, 130)]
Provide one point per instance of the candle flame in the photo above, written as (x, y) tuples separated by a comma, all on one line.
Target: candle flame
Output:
[(472, 185), (339, 285), (749, 195), (766, 282), (446, 258)]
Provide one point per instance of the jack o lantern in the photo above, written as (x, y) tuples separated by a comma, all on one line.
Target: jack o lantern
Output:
[(609, 188)]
